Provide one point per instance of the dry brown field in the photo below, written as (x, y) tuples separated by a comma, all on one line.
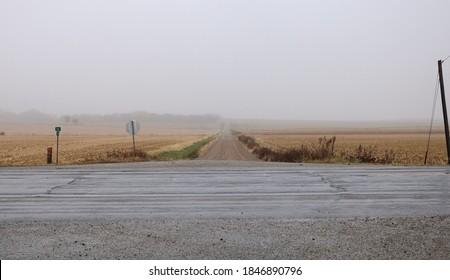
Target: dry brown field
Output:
[(26, 145), (408, 145)]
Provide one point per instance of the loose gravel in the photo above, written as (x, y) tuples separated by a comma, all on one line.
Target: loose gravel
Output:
[(337, 239)]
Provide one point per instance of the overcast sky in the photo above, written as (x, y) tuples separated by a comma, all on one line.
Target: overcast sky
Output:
[(279, 59)]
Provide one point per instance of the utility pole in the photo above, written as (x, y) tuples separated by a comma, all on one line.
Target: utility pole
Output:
[(444, 110)]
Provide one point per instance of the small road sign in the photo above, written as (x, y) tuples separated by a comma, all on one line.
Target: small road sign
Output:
[(133, 128), (58, 130)]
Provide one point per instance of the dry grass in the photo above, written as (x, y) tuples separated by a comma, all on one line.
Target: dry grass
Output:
[(408, 148), (80, 145)]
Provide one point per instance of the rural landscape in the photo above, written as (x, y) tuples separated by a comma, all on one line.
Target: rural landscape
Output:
[(104, 140), (275, 132), (208, 182)]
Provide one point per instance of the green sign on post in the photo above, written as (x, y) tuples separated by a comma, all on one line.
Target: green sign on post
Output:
[(58, 130)]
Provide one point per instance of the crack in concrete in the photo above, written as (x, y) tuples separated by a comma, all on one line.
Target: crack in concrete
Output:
[(340, 189), (67, 184)]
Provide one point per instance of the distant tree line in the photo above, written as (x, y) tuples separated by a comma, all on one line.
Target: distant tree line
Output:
[(30, 116), (67, 119), (141, 116), (34, 116)]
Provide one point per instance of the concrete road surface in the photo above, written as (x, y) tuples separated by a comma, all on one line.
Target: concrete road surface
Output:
[(212, 189)]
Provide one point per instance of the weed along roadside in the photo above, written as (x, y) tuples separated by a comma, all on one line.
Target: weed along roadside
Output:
[(323, 151), (139, 155), (190, 152)]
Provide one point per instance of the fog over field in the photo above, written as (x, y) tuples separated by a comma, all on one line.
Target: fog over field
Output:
[(285, 60)]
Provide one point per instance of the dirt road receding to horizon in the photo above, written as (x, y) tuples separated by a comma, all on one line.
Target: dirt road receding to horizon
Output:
[(227, 147)]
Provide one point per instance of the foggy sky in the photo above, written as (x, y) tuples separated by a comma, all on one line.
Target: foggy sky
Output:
[(313, 60)]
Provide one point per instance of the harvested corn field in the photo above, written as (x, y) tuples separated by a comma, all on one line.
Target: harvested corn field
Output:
[(86, 146), (393, 148)]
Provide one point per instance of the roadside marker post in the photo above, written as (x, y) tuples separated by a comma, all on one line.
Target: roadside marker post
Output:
[(58, 130), (49, 155)]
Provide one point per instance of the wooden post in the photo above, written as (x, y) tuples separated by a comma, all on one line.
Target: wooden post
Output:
[(444, 110), (49, 155)]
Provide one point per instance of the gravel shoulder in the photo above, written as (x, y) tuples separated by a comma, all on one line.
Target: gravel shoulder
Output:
[(338, 238)]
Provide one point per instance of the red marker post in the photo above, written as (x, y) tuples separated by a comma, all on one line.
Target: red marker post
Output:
[(49, 155)]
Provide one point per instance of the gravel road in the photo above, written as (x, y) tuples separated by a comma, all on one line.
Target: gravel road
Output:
[(227, 147)]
